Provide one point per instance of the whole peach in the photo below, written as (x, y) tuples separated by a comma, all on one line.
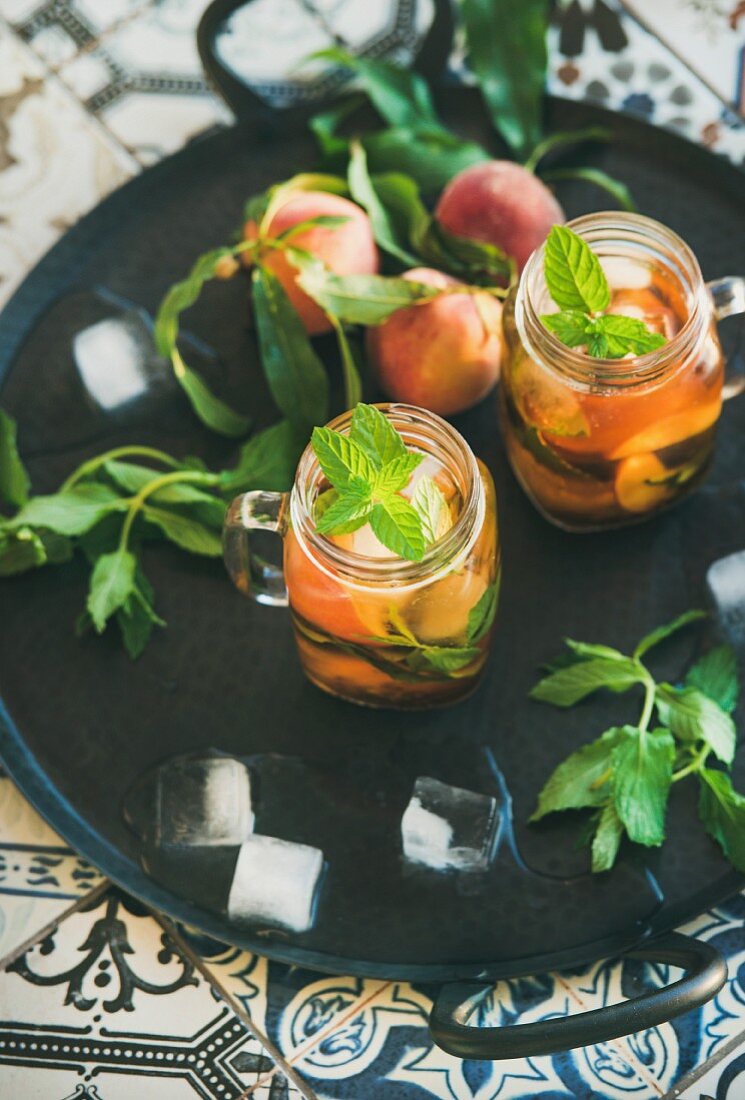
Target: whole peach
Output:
[(502, 203), (442, 355), (347, 249)]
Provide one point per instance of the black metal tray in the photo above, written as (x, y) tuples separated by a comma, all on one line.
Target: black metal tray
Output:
[(80, 722)]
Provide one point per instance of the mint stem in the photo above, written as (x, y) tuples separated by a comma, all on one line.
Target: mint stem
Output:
[(94, 464), (136, 502)]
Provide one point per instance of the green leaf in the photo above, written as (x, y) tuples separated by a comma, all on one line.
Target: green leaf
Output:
[(112, 583), (400, 95), (340, 457), (607, 839), (398, 527), (348, 512), (326, 123), (567, 686), (321, 221), (351, 359), (374, 433), (662, 632), (574, 277), (215, 413), (430, 157), (136, 617), (570, 326), (693, 716), (582, 779), (202, 506), (722, 810), (363, 191), (586, 650), (261, 208), (186, 532), (470, 260), (358, 299), (715, 674), (482, 614), (71, 512), (444, 659), (507, 51), (267, 461), (566, 137), (294, 372), (396, 474), (14, 481), (597, 344), (20, 551), (626, 335), (432, 507), (596, 176), (642, 773)]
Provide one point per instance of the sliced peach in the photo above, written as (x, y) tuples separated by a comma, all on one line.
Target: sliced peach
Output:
[(643, 483), (546, 402), (319, 599), (673, 429)]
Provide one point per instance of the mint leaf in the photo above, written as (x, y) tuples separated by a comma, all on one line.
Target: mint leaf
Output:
[(395, 475), (267, 461), (398, 527), (137, 617), (567, 686), (294, 372), (582, 779), (20, 551), (112, 583), (187, 533), (570, 326), (482, 614), (574, 277), (373, 432), (586, 650), (642, 773), (14, 481), (431, 506), (607, 839), (340, 457), (715, 674), (347, 512), (626, 335), (662, 632), (722, 811), (71, 512), (597, 344), (202, 506), (444, 659), (693, 716)]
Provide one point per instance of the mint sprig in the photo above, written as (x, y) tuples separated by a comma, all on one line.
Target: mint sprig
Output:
[(624, 777), (577, 283), (367, 469)]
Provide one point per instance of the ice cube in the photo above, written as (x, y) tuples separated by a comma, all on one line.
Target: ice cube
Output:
[(205, 801), (275, 882), (726, 582), (117, 360), (449, 827), (626, 273)]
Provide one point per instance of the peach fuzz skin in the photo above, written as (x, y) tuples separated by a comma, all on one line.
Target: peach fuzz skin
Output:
[(502, 203), (443, 355), (347, 249)]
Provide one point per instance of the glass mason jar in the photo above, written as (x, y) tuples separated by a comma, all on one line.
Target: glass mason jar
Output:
[(598, 443), (372, 627)]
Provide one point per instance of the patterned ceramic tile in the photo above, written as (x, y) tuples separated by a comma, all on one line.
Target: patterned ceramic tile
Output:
[(708, 35), (40, 877), (601, 54), (43, 131), (144, 81), (58, 29), (723, 1077), (107, 1001)]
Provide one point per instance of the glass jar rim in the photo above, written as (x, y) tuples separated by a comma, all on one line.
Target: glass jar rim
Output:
[(640, 368), (367, 570)]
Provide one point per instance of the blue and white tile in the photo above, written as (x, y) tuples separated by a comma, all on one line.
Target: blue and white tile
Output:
[(40, 876), (108, 1001), (43, 130)]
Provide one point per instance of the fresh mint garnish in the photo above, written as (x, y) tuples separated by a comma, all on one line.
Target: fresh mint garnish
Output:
[(624, 777), (577, 283), (367, 469)]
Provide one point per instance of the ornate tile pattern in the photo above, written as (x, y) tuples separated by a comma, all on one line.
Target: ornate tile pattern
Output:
[(100, 1001)]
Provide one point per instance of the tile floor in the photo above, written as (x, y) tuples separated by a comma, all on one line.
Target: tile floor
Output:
[(101, 1000)]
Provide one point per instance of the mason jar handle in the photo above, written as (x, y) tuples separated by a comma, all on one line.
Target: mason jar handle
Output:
[(250, 573), (705, 974), (728, 295)]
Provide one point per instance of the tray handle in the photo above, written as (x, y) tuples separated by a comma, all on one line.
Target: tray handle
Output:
[(430, 61), (705, 974)]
